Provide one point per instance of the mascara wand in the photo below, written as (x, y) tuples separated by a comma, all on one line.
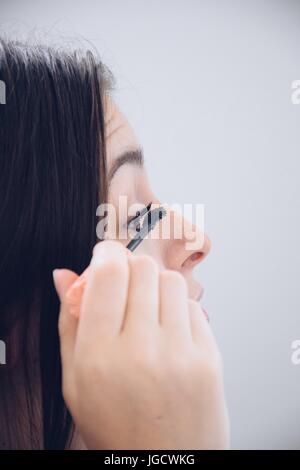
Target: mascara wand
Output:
[(150, 220)]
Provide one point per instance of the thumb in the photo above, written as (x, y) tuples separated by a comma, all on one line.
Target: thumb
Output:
[(67, 323), (63, 279)]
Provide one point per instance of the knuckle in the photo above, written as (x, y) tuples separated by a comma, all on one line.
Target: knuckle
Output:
[(173, 278), (110, 269), (104, 245), (144, 262), (115, 268)]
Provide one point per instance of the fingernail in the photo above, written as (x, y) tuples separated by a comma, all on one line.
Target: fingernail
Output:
[(74, 295)]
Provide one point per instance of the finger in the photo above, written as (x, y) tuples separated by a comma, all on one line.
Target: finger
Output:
[(174, 316), (67, 323), (143, 295), (105, 294), (75, 293), (200, 329), (195, 320)]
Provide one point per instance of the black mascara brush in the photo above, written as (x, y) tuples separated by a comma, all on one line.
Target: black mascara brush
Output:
[(150, 220)]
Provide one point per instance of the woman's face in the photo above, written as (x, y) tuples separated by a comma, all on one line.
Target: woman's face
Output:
[(128, 177)]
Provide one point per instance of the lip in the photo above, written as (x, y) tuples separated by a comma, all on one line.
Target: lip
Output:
[(200, 294), (198, 298), (206, 314)]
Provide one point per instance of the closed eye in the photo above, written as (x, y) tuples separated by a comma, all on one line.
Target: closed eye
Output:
[(134, 221), (134, 224)]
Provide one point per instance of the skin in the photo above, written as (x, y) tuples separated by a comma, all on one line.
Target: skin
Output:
[(133, 182), (133, 334)]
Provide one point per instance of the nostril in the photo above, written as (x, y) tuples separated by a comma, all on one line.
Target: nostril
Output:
[(196, 256), (193, 259)]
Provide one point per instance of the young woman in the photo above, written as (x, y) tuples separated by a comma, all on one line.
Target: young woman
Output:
[(137, 366)]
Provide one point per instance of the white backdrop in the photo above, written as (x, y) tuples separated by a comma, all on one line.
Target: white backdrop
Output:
[(207, 86)]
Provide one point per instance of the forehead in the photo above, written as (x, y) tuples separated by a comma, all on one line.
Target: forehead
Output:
[(119, 134)]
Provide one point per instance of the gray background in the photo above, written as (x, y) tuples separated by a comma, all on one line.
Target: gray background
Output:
[(207, 86)]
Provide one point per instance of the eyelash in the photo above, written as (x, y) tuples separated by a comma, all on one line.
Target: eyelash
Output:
[(135, 223), (137, 218)]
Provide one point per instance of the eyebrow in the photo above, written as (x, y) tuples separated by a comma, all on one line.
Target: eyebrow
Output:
[(135, 157)]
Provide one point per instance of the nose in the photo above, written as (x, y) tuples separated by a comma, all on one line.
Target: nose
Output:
[(185, 252)]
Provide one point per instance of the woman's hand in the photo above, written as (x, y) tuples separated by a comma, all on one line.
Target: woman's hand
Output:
[(141, 369)]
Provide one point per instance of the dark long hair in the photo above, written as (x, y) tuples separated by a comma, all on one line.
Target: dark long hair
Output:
[(52, 178)]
